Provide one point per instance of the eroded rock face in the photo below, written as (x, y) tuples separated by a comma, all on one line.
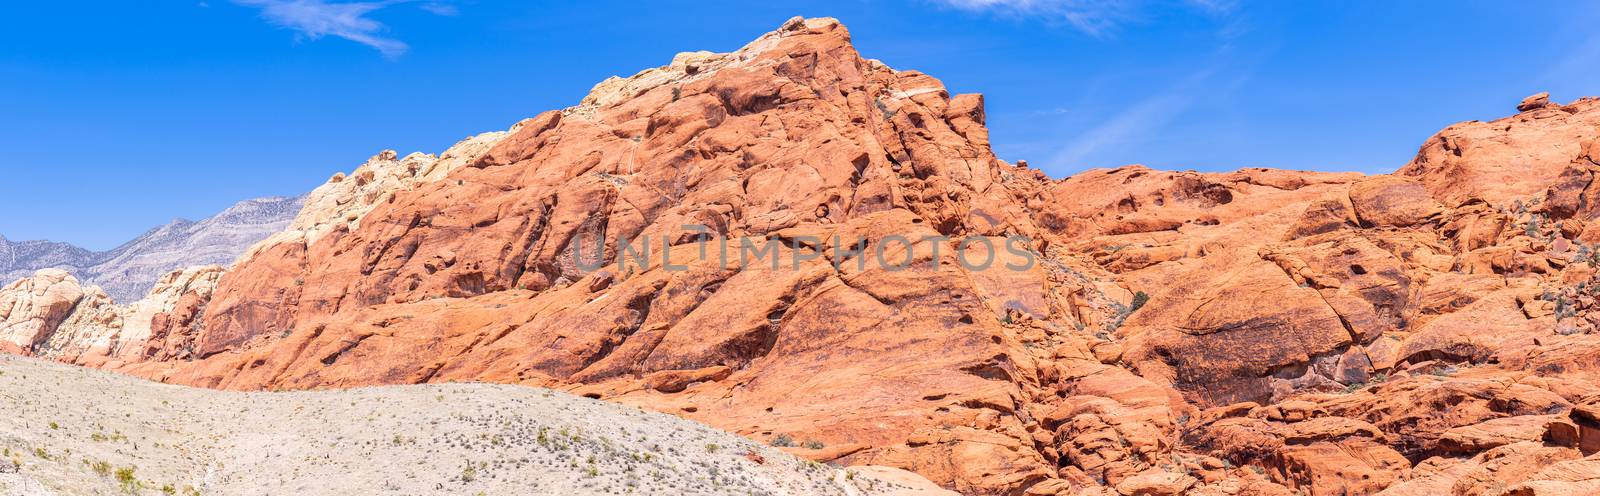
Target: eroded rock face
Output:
[(343, 201), (30, 309), (52, 315), (1507, 159), (1253, 332), (473, 276)]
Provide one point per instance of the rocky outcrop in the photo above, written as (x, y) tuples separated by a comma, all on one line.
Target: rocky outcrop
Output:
[(344, 200), (52, 315), (474, 276), (128, 272), (1253, 332), (1509, 159), (30, 309)]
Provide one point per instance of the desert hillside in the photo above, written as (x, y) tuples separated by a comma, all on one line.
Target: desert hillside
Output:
[(1141, 332), (75, 431)]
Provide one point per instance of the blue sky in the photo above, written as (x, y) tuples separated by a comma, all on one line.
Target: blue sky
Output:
[(118, 116)]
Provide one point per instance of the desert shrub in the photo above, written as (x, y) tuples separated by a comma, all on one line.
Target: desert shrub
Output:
[(127, 480)]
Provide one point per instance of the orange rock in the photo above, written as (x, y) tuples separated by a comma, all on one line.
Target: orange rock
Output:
[(1390, 201), (1535, 101), (1156, 483), (1351, 466), (1494, 433), (1504, 160)]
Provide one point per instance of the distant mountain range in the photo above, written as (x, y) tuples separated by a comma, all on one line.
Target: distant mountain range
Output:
[(127, 272)]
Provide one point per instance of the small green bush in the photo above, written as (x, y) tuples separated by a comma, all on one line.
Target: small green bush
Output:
[(127, 480), (1139, 299)]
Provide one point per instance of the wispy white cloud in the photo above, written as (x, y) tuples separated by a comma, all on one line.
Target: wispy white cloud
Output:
[(438, 8), (1582, 54), (1148, 117), (315, 19), (1138, 120), (1214, 6), (1578, 62), (1098, 18)]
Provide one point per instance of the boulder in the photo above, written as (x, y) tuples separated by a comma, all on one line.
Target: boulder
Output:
[(1534, 101), (1391, 201), (32, 308)]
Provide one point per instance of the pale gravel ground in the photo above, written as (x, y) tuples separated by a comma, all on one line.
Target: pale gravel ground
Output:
[(464, 439)]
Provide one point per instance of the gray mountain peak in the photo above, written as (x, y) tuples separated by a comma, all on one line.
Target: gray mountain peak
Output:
[(127, 272)]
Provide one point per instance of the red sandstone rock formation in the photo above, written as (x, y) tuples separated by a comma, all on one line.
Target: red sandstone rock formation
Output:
[(1254, 332)]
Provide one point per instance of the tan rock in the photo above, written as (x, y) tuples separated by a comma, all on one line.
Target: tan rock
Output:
[(30, 309)]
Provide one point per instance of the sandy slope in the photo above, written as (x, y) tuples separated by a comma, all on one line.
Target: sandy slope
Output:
[(68, 430)]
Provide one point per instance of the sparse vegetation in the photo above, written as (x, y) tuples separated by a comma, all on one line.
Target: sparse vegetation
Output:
[(475, 449), (888, 114), (1139, 299), (127, 480), (1588, 255), (1121, 312), (783, 441)]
